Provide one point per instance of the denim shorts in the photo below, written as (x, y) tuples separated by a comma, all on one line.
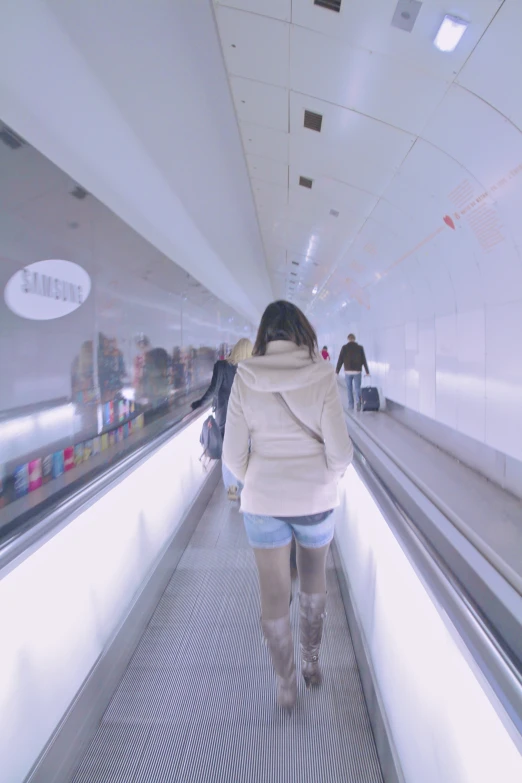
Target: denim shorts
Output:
[(269, 533)]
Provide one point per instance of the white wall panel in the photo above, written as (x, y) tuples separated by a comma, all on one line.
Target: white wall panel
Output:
[(411, 370), (508, 202), (426, 366), (269, 196), (432, 175), (501, 271), (278, 9), (268, 170), (332, 193), (421, 299), (376, 85), (471, 375), (367, 26), (265, 142), (446, 369), (394, 344), (244, 39), (351, 147), (434, 265), (499, 54), (263, 104), (504, 378), (465, 272), (462, 117)]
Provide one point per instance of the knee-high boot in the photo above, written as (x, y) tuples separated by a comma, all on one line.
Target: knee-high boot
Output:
[(311, 618), (278, 635)]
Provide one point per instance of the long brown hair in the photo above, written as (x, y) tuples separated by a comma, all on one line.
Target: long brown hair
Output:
[(284, 321)]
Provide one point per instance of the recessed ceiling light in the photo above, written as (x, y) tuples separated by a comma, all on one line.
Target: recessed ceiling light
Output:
[(450, 32), (344, 304), (314, 290)]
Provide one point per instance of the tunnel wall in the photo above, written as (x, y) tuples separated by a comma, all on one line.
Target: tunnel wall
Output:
[(440, 308), (444, 721)]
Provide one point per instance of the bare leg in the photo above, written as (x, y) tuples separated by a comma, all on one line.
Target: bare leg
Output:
[(311, 565), (273, 567)]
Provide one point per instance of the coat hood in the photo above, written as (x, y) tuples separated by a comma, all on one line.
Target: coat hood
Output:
[(284, 367)]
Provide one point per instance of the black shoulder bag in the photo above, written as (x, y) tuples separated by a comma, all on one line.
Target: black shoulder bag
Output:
[(210, 437)]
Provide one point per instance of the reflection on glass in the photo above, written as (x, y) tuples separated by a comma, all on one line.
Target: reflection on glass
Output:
[(83, 388)]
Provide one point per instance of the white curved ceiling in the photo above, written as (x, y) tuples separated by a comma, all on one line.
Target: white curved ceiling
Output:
[(131, 99), (420, 153), (393, 110)]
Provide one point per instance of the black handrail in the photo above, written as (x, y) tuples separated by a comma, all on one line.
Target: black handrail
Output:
[(497, 661), (47, 520)]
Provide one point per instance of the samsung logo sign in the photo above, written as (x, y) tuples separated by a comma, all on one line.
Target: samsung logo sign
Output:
[(47, 289)]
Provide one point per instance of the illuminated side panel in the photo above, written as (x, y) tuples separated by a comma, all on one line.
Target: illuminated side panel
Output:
[(61, 606), (443, 723)]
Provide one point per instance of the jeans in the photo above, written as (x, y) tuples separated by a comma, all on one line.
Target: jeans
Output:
[(353, 383)]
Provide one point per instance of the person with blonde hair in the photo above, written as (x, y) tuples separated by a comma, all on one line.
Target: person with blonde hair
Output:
[(219, 390)]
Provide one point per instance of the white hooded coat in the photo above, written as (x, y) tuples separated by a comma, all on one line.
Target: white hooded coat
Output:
[(286, 472)]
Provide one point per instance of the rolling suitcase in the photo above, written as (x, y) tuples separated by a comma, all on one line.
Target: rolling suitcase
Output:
[(370, 400)]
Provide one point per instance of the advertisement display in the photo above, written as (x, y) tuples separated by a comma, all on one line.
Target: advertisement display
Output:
[(100, 336), (48, 289)]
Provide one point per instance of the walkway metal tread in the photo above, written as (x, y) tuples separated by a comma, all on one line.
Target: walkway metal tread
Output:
[(470, 495), (197, 702)]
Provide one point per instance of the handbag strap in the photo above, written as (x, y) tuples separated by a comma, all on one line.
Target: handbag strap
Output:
[(219, 384), (281, 400)]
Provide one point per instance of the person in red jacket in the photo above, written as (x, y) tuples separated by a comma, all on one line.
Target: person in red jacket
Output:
[(325, 354)]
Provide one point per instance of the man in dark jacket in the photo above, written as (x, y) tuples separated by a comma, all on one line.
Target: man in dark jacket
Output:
[(353, 359)]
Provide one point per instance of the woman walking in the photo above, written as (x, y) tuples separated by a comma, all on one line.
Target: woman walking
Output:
[(219, 390), (286, 441)]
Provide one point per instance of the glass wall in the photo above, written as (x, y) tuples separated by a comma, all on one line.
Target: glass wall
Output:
[(104, 342)]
